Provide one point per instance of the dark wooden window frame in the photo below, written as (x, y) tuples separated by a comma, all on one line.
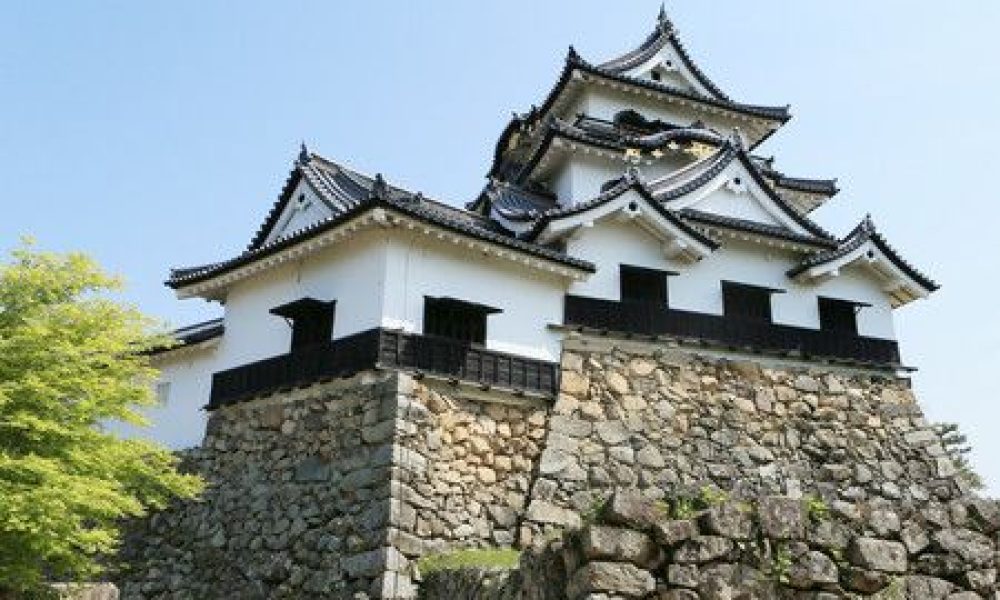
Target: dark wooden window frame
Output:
[(455, 319), (311, 321), (644, 285), (839, 315), (739, 299)]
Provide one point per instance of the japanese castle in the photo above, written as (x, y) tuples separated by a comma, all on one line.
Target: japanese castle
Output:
[(630, 203)]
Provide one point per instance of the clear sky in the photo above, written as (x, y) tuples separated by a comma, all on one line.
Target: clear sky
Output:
[(157, 134)]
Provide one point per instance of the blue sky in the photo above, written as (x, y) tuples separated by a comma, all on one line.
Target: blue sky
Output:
[(153, 135)]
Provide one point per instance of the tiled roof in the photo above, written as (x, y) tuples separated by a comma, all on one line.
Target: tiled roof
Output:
[(629, 182), (516, 202), (826, 187), (665, 33), (619, 141), (775, 231), (349, 194), (190, 335), (861, 234), (575, 61)]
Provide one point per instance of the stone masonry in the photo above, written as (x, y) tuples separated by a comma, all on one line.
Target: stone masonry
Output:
[(335, 490)]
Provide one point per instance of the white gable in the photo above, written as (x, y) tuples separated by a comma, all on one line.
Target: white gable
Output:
[(633, 208), (304, 208), (671, 70), (734, 193)]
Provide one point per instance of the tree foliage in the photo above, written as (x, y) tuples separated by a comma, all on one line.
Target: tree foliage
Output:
[(956, 444), (72, 360)]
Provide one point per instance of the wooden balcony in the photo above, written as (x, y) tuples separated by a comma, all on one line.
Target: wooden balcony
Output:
[(645, 319), (381, 348)]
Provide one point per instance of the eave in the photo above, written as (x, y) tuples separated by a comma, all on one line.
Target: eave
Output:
[(213, 281)]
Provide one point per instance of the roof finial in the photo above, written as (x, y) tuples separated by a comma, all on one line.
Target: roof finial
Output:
[(573, 56), (868, 225), (736, 139), (663, 21), (379, 189), (303, 157)]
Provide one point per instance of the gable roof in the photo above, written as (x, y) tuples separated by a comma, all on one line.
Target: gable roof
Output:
[(350, 194), (733, 151), (629, 182), (864, 233), (663, 35)]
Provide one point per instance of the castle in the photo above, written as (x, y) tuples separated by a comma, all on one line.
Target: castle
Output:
[(637, 300)]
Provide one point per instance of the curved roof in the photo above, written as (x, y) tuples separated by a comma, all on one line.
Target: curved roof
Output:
[(628, 182), (664, 34), (350, 194), (863, 233)]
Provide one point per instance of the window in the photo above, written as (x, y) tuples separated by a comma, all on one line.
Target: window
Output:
[(311, 321), (840, 316), (648, 286), (456, 319), (162, 393), (747, 302), (655, 76)]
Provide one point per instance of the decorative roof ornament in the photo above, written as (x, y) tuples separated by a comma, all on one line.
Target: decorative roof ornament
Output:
[(573, 57), (303, 156), (867, 225), (632, 174), (379, 191), (736, 139), (663, 22)]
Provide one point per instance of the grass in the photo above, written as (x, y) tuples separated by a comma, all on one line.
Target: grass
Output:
[(483, 558)]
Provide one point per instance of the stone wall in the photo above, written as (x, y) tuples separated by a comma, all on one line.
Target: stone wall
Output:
[(776, 547), (477, 453), (661, 419), (297, 504), (332, 491)]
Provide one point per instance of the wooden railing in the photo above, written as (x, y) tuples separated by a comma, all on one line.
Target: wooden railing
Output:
[(386, 349), (638, 318)]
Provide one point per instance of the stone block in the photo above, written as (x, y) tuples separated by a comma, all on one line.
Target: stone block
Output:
[(630, 509), (703, 549), (914, 537), (782, 518), (669, 533), (813, 569), (880, 555), (728, 519), (974, 548), (926, 588), (863, 580), (617, 578), (546, 512), (599, 542)]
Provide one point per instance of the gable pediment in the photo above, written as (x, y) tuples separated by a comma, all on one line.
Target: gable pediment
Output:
[(667, 66), (737, 193), (629, 203), (303, 209)]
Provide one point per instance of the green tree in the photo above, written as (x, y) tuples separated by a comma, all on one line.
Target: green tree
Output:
[(956, 444), (72, 360)]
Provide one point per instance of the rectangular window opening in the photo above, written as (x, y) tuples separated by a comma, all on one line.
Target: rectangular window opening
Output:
[(839, 316), (456, 319), (311, 321), (646, 286), (747, 302)]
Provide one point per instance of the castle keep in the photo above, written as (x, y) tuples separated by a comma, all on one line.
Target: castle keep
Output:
[(636, 337)]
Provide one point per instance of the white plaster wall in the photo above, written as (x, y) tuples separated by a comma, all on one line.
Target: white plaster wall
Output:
[(352, 272), (724, 201), (418, 267), (179, 422), (580, 178), (698, 286)]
